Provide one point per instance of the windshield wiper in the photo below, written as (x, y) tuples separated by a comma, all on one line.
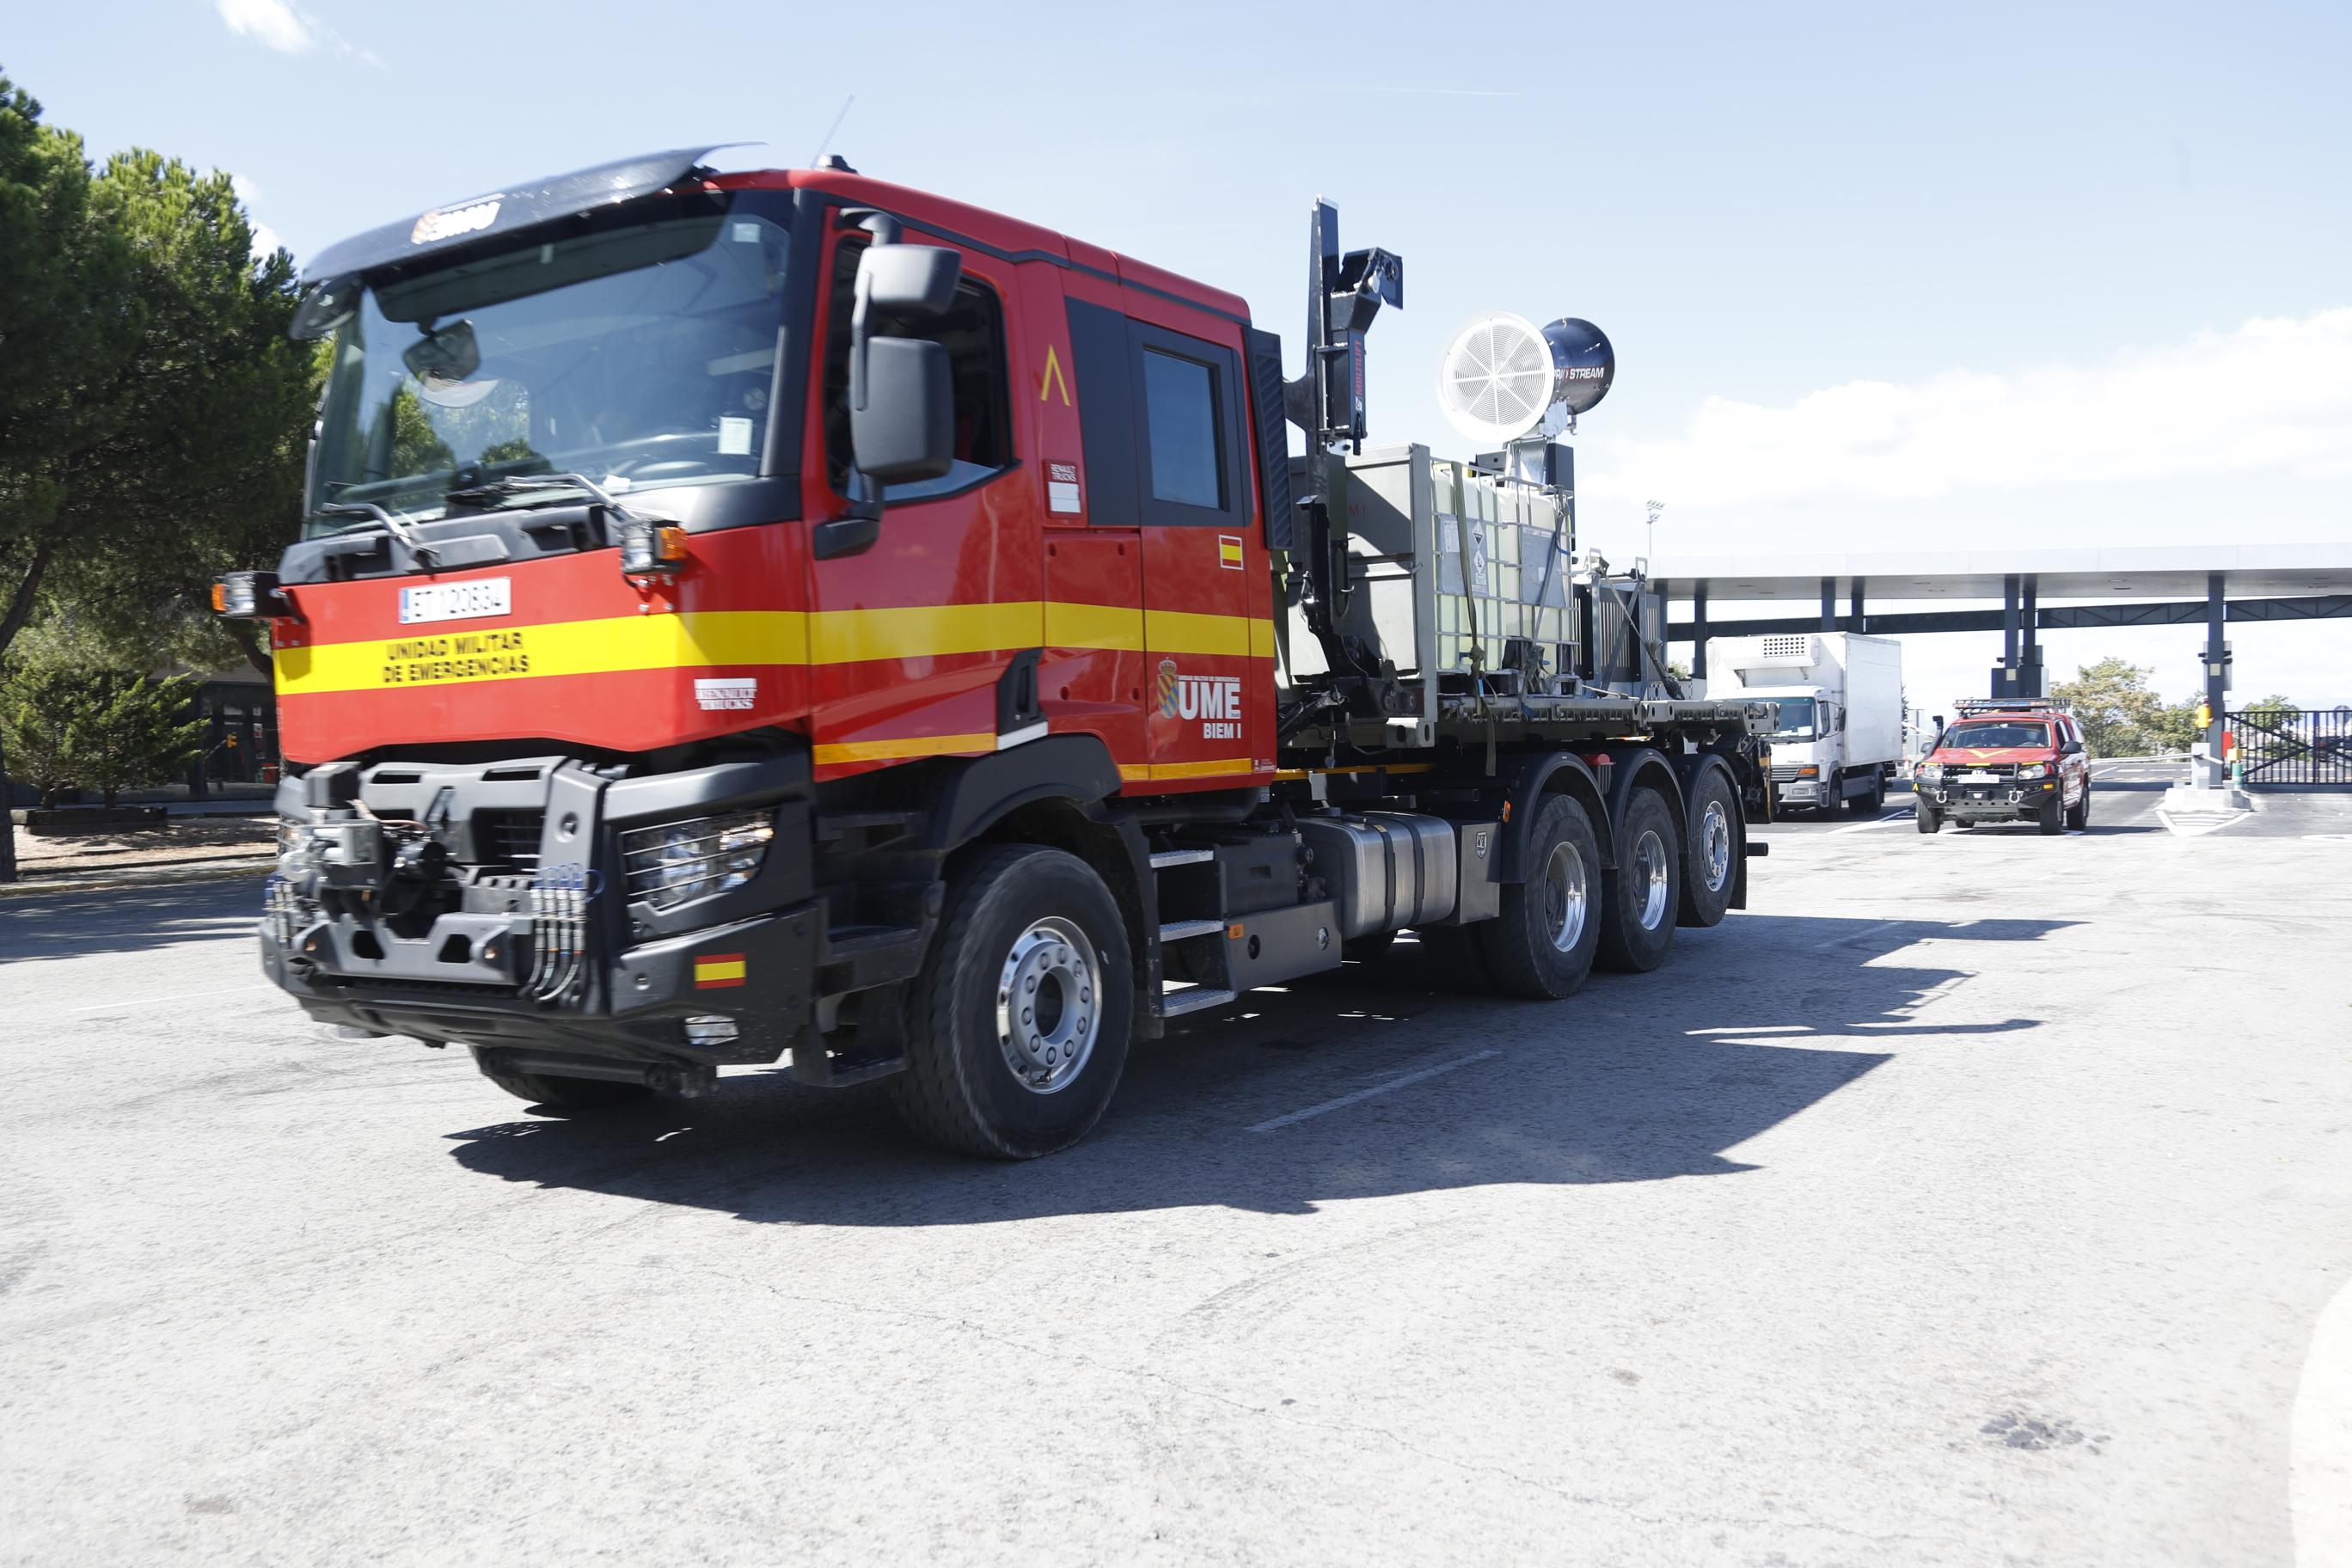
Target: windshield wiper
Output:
[(380, 519), (524, 484)]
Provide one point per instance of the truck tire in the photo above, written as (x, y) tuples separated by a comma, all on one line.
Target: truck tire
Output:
[(1925, 816), (1711, 859), (570, 1094), (1541, 945), (1017, 1025), (2047, 815), (1638, 898), (2078, 816)]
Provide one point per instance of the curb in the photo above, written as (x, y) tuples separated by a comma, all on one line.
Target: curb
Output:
[(162, 876)]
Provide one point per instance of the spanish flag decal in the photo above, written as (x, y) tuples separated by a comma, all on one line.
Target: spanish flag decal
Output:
[(713, 970), (1229, 551)]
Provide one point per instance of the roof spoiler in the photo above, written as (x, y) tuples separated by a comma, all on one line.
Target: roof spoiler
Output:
[(329, 275)]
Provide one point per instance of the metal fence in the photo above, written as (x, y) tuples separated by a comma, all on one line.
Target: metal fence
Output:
[(2290, 750)]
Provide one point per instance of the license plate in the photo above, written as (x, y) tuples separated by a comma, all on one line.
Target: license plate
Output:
[(457, 601), (1979, 778)]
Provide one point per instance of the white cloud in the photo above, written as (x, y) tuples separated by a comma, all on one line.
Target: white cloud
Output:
[(2274, 397), (272, 23)]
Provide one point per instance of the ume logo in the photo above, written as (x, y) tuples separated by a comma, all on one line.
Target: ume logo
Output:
[(1216, 700)]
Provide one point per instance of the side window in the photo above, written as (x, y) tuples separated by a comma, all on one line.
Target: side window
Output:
[(1179, 409), (1188, 398), (972, 332)]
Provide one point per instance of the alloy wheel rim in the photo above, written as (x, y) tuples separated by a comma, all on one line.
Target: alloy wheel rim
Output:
[(1715, 843), (1652, 878), (1048, 1012), (1564, 896)]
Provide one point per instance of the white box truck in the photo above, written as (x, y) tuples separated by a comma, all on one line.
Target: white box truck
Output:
[(1840, 737)]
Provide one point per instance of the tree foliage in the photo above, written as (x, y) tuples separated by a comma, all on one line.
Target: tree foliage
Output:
[(2120, 715), (152, 415), (72, 717)]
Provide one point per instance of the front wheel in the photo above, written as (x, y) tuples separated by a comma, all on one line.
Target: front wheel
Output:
[(1638, 899), (1542, 944), (1017, 1026), (2047, 815), (1925, 816)]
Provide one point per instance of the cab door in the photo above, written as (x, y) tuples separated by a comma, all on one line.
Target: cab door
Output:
[(1167, 459), (908, 638)]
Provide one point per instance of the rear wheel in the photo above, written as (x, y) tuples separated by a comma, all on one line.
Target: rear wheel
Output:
[(1925, 816), (1638, 898), (2078, 816), (1542, 944), (1711, 861), (1017, 1026)]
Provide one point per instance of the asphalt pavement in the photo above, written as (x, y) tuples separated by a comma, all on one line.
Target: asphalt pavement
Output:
[(1972, 1198)]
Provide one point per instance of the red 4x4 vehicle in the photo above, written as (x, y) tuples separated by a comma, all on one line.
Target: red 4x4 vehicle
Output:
[(2020, 761)]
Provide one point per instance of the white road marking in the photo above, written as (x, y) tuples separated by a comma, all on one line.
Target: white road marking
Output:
[(1866, 827), (184, 996), (1347, 1100), (2319, 1447)]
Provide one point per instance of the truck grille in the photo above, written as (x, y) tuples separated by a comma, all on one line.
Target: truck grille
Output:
[(509, 838)]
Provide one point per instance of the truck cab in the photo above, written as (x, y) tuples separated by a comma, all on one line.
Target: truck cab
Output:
[(2006, 761)]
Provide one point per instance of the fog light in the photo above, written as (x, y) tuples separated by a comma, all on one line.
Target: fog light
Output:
[(710, 1029)]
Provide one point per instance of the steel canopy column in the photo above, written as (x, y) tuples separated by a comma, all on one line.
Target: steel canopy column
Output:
[(2004, 681), (2030, 683), (1853, 621), (2217, 678), (1829, 604), (1699, 631)]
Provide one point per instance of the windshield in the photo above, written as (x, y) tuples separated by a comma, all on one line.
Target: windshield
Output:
[(2002, 736), (1797, 719), (639, 349)]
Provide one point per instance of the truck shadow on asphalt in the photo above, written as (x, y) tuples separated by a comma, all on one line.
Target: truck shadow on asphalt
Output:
[(1637, 1078), (36, 926)]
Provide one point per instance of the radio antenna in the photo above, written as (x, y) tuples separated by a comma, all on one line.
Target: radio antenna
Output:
[(829, 129)]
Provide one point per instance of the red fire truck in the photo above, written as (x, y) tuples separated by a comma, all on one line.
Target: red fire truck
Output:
[(783, 612)]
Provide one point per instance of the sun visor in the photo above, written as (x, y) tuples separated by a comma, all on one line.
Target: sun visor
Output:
[(502, 212)]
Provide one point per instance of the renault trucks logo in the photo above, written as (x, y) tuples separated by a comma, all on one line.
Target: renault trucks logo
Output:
[(449, 222), (1216, 700), (727, 696)]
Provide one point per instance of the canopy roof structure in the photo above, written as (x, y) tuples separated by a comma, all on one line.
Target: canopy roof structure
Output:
[(2128, 586)]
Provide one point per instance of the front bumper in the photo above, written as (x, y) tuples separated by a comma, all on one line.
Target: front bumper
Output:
[(759, 974), (2004, 800), (526, 859)]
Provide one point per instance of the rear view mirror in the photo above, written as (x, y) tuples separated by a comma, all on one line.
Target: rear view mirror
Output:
[(905, 429), (2070, 749), (444, 355), (910, 282)]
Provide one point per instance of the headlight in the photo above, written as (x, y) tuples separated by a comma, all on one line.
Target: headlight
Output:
[(298, 852), (2034, 770), (668, 865), (1931, 770)]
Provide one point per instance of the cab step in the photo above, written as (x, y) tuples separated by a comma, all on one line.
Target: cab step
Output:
[(1183, 930), (1166, 857), (1193, 999)]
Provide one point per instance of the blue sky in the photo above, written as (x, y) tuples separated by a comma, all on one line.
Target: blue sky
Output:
[(1879, 276)]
